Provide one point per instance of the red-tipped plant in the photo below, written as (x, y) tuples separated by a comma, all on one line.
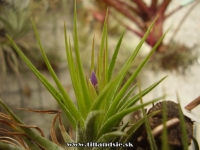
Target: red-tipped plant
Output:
[(142, 15)]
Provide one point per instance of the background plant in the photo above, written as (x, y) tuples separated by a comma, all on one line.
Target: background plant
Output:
[(15, 21), (101, 101), (140, 13)]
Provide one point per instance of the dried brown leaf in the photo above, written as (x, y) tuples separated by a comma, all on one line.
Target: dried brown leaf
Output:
[(35, 127), (64, 132), (11, 141), (7, 132), (41, 111), (5, 116), (9, 124), (53, 134)]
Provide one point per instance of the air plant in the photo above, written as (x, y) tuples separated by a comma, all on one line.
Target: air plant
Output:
[(141, 14), (15, 21), (102, 102)]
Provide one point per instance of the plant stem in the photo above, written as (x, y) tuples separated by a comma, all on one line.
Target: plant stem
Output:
[(135, 10), (163, 7), (117, 6), (154, 5), (143, 7), (127, 26)]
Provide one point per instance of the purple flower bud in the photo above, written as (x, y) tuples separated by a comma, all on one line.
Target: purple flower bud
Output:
[(93, 79)]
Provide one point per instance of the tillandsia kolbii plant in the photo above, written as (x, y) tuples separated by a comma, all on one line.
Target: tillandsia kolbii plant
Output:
[(102, 102)]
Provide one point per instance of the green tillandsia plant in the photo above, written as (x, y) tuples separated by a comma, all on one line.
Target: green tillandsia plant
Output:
[(102, 101)]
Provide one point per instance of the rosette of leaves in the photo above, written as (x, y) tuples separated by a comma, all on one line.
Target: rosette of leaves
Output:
[(169, 56), (102, 102)]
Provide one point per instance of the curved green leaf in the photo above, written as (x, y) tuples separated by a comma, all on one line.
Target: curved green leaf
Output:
[(119, 96), (132, 131), (10, 147), (136, 97), (111, 122), (90, 125), (196, 145), (74, 77), (59, 98), (105, 138), (114, 57), (67, 101), (83, 84)]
